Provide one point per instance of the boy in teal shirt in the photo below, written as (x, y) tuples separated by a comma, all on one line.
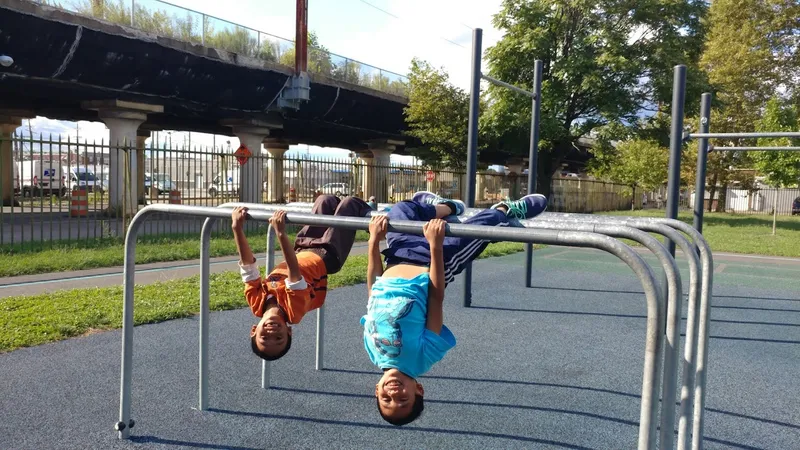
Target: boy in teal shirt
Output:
[(404, 331)]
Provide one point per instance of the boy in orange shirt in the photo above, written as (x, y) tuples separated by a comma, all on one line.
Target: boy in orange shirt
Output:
[(298, 284)]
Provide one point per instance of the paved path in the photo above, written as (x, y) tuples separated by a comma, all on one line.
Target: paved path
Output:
[(112, 276), (557, 366)]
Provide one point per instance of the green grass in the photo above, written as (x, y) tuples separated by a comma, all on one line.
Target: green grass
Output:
[(735, 233), (34, 320), (109, 252)]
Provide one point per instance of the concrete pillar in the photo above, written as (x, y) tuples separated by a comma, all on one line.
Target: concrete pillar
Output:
[(275, 176), (141, 137), (251, 133), (8, 124), (376, 176), (122, 119)]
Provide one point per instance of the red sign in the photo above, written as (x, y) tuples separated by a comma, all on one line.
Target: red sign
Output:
[(242, 154), (430, 175)]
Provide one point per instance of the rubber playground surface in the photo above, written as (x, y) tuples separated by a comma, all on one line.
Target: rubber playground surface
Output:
[(555, 366)]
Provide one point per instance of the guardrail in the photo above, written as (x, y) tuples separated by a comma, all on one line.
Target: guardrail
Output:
[(169, 20)]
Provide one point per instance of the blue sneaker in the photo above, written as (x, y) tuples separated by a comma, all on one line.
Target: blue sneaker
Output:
[(433, 199), (527, 207)]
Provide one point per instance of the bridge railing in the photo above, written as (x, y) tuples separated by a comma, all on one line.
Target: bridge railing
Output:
[(165, 19)]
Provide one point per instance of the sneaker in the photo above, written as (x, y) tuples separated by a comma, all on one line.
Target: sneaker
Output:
[(433, 199), (527, 207)]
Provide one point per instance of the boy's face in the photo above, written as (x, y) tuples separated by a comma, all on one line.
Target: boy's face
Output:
[(271, 332), (396, 392)]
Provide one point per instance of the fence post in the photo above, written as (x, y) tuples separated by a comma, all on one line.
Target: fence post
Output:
[(203, 32), (133, 12)]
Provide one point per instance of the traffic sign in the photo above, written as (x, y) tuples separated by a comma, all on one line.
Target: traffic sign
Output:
[(242, 154), (430, 176)]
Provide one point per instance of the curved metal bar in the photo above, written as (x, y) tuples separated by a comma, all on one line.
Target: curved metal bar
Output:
[(706, 287), (654, 339), (205, 271), (674, 286)]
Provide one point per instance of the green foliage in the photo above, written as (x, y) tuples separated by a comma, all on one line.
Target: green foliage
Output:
[(639, 163), (781, 169), (438, 115), (603, 63)]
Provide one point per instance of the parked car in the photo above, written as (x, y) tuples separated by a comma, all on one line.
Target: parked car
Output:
[(230, 184), (160, 181), (337, 189), (83, 178), (796, 206)]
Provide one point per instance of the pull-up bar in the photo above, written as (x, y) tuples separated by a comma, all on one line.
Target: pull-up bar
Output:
[(655, 305), (714, 148), (497, 82), (472, 140), (774, 134)]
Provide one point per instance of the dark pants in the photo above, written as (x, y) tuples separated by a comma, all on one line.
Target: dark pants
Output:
[(332, 244), (458, 251)]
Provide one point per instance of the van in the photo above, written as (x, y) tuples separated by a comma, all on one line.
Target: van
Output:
[(41, 177), (82, 178)]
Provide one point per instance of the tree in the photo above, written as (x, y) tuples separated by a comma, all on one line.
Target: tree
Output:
[(750, 55), (319, 58), (603, 62), (638, 163), (437, 114), (780, 169)]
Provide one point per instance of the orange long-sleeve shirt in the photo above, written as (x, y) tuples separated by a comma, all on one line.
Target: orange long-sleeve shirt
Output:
[(296, 303)]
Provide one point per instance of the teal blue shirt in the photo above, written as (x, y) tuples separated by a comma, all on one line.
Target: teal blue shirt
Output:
[(395, 336)]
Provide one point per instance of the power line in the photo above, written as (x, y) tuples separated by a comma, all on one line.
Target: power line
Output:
[(400, 18)]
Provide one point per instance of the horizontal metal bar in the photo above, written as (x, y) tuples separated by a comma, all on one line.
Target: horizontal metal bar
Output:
[(712, 148), (776, 134), (497, 82)]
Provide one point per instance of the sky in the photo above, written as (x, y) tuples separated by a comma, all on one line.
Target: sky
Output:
[(383, 33)]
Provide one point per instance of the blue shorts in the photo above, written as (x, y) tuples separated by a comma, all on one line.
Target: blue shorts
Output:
[(414, 249)]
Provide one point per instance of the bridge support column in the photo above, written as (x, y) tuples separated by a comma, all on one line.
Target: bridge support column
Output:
[(123, 119), (8, 124), (275, 176), (251, 133), (376, 173)]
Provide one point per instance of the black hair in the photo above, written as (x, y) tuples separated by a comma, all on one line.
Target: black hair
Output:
[(267, 357), (416, 411)]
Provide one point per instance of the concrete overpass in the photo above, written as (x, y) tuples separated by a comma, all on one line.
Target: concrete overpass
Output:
[(71, 67)]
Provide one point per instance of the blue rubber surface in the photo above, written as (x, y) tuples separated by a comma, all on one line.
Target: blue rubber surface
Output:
[(557, 366)]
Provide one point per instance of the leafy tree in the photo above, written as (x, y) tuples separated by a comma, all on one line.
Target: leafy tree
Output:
[(438, 115), (780, 169), (639, 163), (603, 62), (319, 59), (750, 55)]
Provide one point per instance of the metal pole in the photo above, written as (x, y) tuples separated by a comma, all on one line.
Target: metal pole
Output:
[(533, 155), (320, 336), (205, 271), (497, 82), (270, 264), (675, 146), (472, 144), (775, 134), (702, 159), (753, 149)]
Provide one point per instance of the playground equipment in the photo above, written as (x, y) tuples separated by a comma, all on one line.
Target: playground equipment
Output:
[(677, 138), (576, 230)]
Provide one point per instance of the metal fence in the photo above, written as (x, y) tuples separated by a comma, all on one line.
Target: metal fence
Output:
[(58, 189), (165, 19)]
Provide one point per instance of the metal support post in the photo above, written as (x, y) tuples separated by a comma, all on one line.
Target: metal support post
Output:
[(533, 155), (702, 159), (713, 148), (472, 144), (320, 337), (675, 146), (205, 271), (766, 134)]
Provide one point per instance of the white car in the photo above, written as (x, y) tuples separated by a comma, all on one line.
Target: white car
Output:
[(337, 189)]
